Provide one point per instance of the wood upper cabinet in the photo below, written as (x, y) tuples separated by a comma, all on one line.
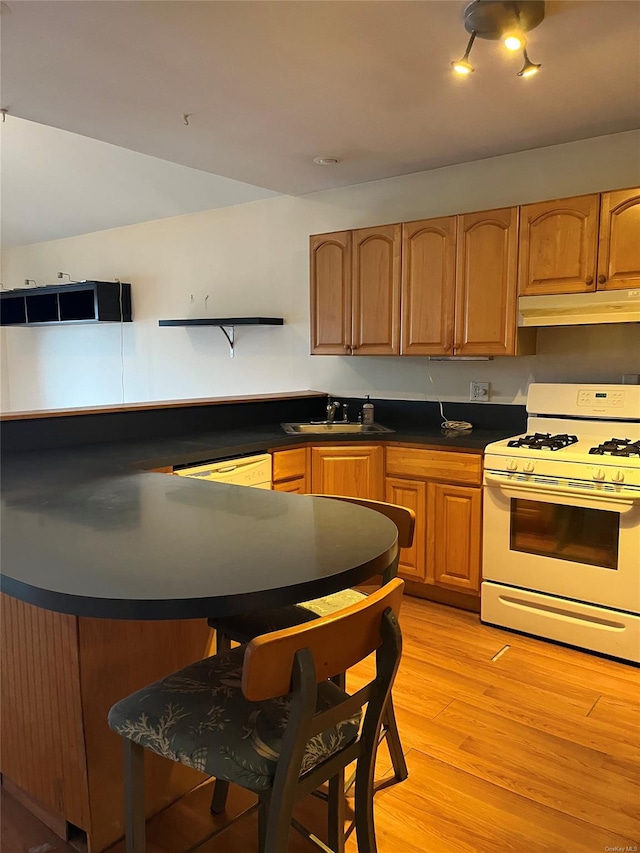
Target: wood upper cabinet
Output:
[(558, 246), (376, 290), (330, 256), (354, 470), (619, 247), (485, 315), (453, 538), (428, 286)]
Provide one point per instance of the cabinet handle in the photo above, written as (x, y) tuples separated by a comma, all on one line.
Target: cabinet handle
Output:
[(355, 346), (602, 279), (588, 279), (447, 348)]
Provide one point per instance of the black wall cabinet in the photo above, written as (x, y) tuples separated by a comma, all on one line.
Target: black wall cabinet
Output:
[(83, 302)]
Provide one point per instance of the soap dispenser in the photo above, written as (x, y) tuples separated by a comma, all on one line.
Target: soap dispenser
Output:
[(367, 412)]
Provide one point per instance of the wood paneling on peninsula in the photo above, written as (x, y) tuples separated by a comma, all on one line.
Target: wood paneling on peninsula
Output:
[(60, 676)]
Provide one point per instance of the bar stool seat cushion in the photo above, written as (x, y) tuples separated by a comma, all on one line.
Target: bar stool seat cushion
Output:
[(242, 629), (199, 717)]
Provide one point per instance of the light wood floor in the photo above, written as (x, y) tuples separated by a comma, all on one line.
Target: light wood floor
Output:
[(512, 744)]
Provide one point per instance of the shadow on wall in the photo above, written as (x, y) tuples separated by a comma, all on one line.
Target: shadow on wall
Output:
[(564, 354)]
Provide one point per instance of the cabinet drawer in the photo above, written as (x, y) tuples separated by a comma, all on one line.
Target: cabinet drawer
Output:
[(463, 468), (288, 464), (296, 486)]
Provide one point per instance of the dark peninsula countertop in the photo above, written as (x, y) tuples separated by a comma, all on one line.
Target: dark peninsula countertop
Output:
[(79, 522)]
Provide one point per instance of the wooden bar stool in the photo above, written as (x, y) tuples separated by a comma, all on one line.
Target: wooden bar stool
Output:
[(268, 717), (242, 629)]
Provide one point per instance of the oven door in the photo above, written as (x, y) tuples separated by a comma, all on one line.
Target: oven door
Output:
[(584, 547)]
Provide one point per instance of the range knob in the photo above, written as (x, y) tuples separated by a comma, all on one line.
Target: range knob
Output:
[(529, 467), (618, 477), (598, 474), (511, 465)]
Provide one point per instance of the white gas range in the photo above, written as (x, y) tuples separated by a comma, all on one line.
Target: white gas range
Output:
[(561, 540)]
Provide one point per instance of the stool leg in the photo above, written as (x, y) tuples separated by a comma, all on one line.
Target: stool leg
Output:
[(223, 643), (393, 742), (219, 798), (336, 809), (134, 797)]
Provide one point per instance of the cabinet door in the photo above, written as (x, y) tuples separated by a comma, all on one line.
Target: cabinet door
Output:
[(376, 290), (353, 471), (330, 277), (428, 286), (453, 537), (619, 251), (486, 283), (412, 494), (558, 241)]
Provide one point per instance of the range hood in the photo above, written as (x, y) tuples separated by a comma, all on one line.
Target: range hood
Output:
[(579, 309)]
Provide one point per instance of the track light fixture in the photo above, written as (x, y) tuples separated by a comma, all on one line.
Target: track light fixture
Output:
[(529, 68), (504, 20), (463, 66)]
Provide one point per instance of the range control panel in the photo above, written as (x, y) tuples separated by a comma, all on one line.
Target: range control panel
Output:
[(593, 398), (603, 401)]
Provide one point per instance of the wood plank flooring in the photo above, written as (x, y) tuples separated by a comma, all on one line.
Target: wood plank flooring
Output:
[(512, 744)]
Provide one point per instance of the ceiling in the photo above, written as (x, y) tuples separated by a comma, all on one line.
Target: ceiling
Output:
[(270, 85)]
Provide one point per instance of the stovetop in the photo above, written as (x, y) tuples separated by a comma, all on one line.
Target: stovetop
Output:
[(620, 447), (543, 441), (584, 433), (571, 448)]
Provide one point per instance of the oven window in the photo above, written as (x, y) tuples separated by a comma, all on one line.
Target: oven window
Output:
[(588, 536)]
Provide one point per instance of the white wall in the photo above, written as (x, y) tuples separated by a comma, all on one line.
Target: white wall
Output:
[(252, 259)]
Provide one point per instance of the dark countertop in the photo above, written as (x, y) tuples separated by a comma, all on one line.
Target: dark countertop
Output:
[(91, 531)]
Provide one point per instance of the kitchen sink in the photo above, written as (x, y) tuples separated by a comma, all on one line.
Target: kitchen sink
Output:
[(333, 428)]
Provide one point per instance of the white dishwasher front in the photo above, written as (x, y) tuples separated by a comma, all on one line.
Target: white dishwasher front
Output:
[(254, 471)]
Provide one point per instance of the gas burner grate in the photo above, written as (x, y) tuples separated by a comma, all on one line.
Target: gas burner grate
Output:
[(544, 441), (617, 447)]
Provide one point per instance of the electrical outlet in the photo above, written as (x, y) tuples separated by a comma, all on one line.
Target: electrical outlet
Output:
[(479, 391)]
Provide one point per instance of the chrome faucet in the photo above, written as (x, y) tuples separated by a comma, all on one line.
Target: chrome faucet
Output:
[(331, 410)]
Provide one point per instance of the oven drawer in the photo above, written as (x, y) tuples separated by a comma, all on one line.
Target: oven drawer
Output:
[(464, 468), (585, 626)]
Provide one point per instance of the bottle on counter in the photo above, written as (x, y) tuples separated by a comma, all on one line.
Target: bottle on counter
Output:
[(367, 412)]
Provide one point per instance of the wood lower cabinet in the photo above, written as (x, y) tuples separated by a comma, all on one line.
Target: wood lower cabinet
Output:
[(454, 537), (413, 495), (354, 470), (444, 490), (291, 470)]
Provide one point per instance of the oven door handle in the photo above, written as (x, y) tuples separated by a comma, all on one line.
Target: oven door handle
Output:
[(621, 505)]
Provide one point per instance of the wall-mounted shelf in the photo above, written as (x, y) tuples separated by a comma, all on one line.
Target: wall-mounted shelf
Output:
[(66, 304), (226, 324)]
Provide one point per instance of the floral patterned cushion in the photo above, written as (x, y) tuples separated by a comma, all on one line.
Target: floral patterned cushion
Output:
[(198, 716)]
